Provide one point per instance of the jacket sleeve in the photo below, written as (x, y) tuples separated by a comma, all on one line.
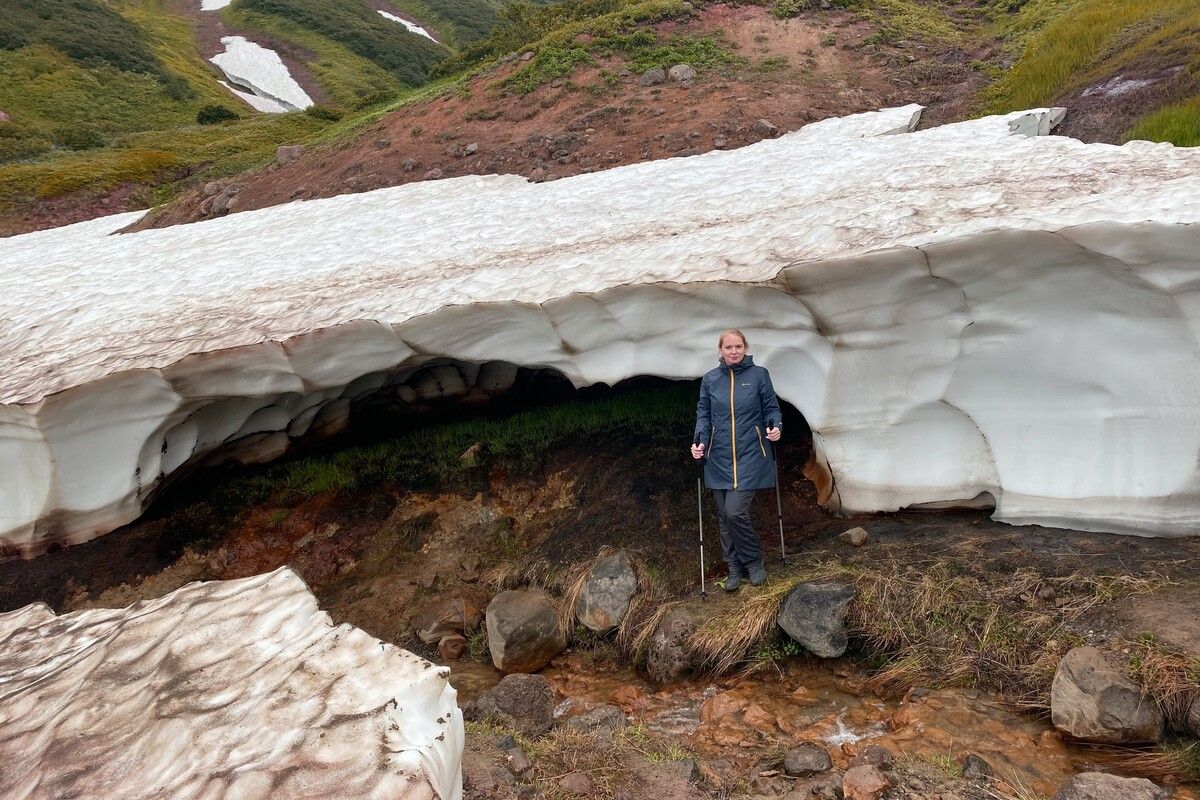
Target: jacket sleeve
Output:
[(703, 419), (768, 400)]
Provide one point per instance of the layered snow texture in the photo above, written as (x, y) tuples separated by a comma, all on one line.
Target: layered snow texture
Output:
[(255, 70), (410, 26), (970, 312), (221, 690)]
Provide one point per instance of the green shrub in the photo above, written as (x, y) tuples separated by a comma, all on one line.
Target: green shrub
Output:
[(78, 137), (212, 114), (18, 148), (324, 113), (785, 9)]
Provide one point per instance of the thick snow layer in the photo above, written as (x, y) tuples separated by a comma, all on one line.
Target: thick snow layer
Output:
[(412, 27), (961, 312), (220, 690), (264, 104), (260, 72), (213, 5)]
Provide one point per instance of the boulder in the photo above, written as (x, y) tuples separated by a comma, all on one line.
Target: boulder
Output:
[(856, 537), (976, 767), (669, 655), (807, 759), (523, 630), (1092, 700), (440, 618), (287, 153), (524, 702), (653, 77), (606, 593), (681, 73), (1101, 786), (814, 614), (605, 717), (864, 783)]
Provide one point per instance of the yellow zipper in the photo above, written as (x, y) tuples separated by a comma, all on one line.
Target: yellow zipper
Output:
[(760, 444), (732, 429)]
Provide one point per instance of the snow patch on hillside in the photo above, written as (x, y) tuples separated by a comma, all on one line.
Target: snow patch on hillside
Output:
[(974, 310), (220, 690), (263, 104), (412, 27), (260, 72)]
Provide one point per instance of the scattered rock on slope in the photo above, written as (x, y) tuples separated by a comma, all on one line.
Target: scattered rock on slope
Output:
[(669, 656), (524, 702), (1093, 700)]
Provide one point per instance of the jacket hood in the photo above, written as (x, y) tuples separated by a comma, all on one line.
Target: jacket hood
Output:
[(747, 361)]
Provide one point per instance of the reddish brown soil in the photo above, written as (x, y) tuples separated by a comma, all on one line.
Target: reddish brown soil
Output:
[(582, 125), (70, 208)]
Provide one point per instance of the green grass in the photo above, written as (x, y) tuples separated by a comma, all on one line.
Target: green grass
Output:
[(1178, 124), (430, 456), (1066, 44), (406, 56), (908, 19), (89, 32)]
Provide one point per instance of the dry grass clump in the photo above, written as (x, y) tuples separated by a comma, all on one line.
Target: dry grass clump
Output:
[(727, 638), (1169, 762), (1172, 678), (563, 751)]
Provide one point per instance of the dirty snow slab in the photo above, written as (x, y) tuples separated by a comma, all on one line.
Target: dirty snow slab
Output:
[(220, 690), (261, 72), (411, 27), (958, 312)]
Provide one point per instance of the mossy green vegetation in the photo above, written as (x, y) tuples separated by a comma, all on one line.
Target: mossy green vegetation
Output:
[(1178, 123), (360, 30)]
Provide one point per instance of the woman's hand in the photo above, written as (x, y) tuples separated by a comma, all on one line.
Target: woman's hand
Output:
[(773, 434), (697, 451)]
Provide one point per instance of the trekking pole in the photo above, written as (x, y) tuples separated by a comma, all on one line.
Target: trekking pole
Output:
[(700, 518), (778, 501)]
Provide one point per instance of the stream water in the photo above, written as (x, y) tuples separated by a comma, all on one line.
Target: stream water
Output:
[(748, 719)]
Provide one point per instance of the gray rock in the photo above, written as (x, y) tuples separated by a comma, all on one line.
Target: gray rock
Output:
[(409, 164), (876, 756), (575, 783), (523, 630), (855, 536), (212, 189), (605, 717), (1091, 699), (688, 769), (4, 117), (668, 655), (524, 702), (518, 762), (287, 153), (807, 759), (471, 149), (975, 767), (764, 127), (606, 593), (434, 174), (527, 55), (814, 615), (1193, 718), (681, 72), (1100, 786), (653, 77)]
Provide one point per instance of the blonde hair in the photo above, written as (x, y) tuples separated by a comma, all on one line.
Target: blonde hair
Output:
[(735, 332)]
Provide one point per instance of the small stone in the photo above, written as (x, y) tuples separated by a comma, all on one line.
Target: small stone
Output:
[(433, 174), (864, 783), (681, 73), (807, 759), (470, 456), (409, 164), (382, 144), (518, 762), (4, 117), (976, 767), (653, 77), (874, 755), (527, 55), (287, 153), (451, 647), (719, 143), (576, 783), (765, 127), (538, 175), (471, 149), (855, 536), (605, 717), (212, 189)]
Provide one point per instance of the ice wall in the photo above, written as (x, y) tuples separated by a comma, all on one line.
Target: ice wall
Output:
[(975, 309), (221, 690)]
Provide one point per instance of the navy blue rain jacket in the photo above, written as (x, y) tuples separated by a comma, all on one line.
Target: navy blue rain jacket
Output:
[(731, 422)]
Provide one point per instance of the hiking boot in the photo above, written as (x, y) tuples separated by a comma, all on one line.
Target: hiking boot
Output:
[(758, 573), (733, 581)]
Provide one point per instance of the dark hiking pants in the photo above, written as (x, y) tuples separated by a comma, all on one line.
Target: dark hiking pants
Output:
[(739, 542)]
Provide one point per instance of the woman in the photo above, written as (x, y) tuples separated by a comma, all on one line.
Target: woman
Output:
[(737, 404)]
